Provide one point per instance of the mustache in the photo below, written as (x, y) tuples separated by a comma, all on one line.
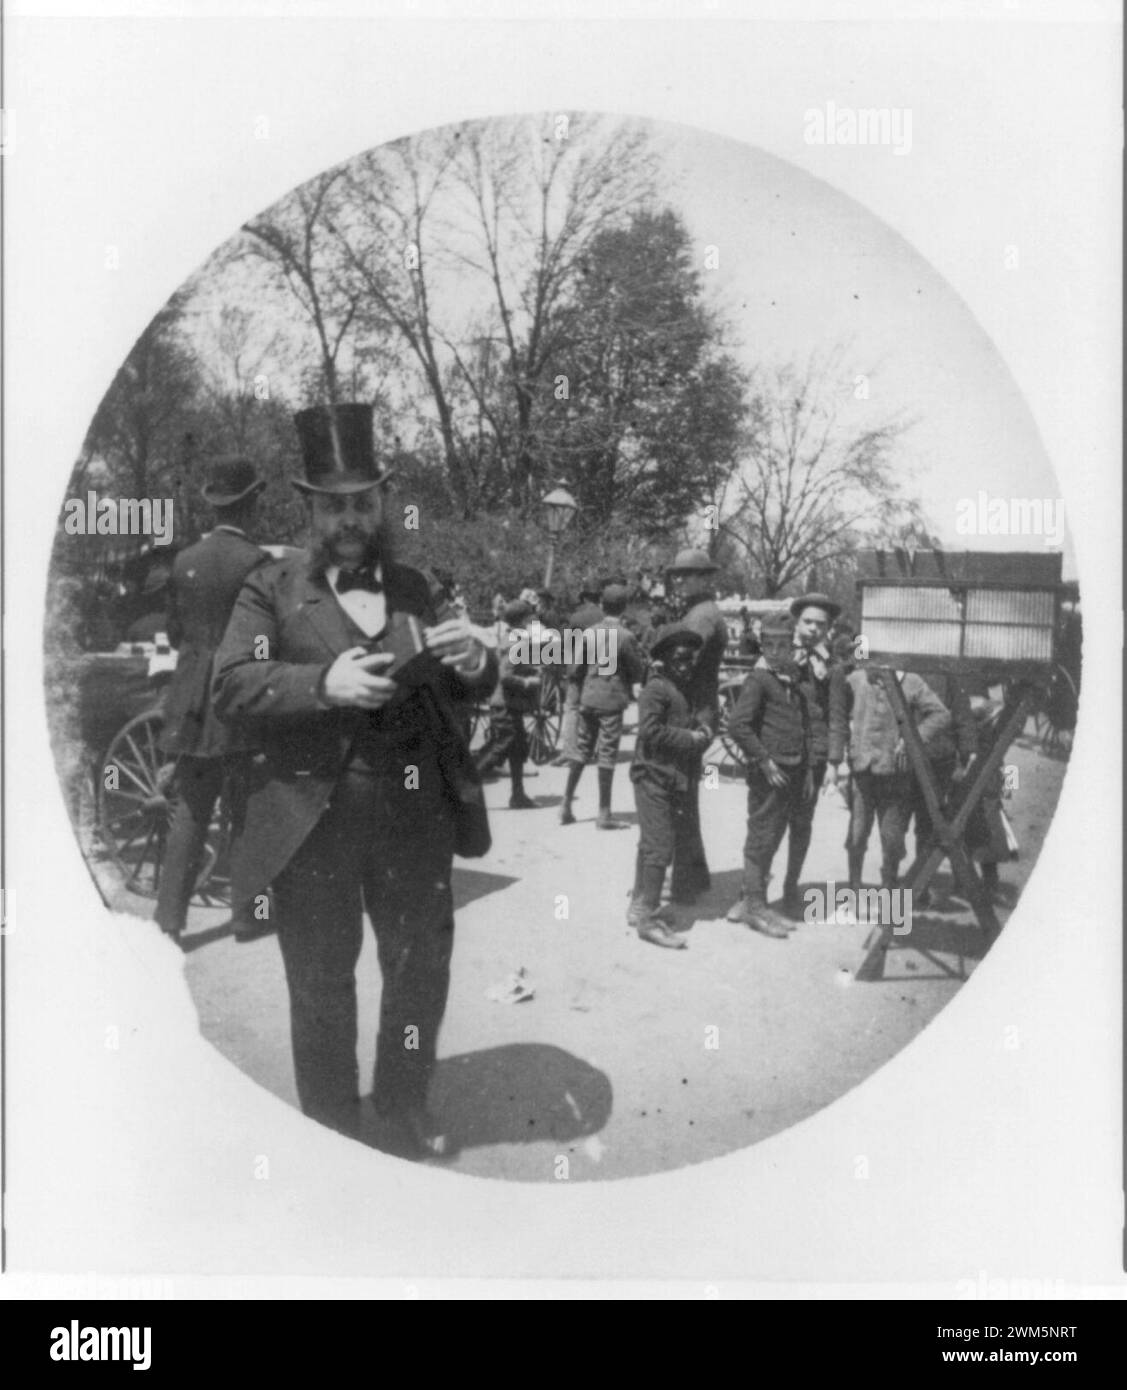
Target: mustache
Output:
[(378, 548)]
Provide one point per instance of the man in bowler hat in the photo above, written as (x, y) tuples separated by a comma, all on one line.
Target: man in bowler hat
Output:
[(206, 579), (691, 578), (341, 660)]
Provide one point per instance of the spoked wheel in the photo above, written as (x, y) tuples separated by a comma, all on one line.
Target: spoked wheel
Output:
[(478, 727), (544, 725), (134, 795)]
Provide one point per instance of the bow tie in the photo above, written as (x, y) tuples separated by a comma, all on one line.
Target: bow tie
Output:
[(362, 578)]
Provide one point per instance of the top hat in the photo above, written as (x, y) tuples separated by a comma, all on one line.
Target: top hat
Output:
[(692, 562), (337, 449), (229, 480), (823, 601), (675, 635)]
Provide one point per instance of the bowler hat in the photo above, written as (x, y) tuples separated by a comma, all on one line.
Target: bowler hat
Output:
[(832, 610), (775, 623), (675, 635), (229, 480), (337, 449), (692, 562), (615, 594), (517, 612)]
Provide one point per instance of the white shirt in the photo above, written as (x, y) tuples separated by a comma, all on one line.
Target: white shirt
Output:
[(367, 610)]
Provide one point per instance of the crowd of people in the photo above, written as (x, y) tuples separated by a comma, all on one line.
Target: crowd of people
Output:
[(807, 718), (327, 691)]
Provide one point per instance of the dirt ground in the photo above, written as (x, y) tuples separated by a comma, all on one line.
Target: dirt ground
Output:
[(628, 1059)]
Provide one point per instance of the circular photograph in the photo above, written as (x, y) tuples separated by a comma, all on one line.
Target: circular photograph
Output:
[(567, 628)]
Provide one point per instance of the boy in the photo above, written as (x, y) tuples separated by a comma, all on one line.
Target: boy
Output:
[(666, 763), (863, 723), (771, 724), (513, 698)]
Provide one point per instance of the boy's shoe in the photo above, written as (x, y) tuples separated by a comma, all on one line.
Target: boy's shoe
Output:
[(567, 815), (658, 934), (605, 822), (760, 918), (520, 802)]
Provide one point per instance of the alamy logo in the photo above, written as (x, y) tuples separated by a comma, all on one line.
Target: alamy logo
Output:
[(576, 646), (1011, 516), (75, 1343), (842, 125), (120, 516)]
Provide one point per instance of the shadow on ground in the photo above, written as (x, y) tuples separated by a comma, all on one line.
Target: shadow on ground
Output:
[(519, 1093)]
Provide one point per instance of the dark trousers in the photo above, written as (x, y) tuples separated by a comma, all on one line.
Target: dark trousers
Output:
[(769, 811), (942, 772), (508, 742), (887, 798), (801, 823), (199, 782), (694, 876), (666, 832), (389, 850)]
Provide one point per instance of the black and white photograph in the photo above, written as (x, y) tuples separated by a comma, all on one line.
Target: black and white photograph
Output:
[(563, 706)]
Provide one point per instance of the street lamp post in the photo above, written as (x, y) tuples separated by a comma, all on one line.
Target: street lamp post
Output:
[(559, 508)]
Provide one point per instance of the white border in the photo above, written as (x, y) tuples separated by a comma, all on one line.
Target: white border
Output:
[(984, 1160)]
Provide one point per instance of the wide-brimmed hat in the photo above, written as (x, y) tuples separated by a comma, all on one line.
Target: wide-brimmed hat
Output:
[(832, 610), (675, 635), (229, 480), (692, 562), (337, 450), (519, 611)]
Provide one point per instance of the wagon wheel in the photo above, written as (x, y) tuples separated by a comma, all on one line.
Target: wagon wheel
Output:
[(1055, 717), (134, 781), (544, 724), (477, 727)]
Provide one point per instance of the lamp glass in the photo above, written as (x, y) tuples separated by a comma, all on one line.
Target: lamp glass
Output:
[(559, 507)]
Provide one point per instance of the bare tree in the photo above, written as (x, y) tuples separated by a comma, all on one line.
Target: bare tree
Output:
[(293, 238), (815, 481)]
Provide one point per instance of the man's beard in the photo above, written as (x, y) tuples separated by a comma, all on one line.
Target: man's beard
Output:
[(377, 551)]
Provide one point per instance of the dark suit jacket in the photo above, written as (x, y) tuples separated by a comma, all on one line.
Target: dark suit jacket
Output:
[(286, 629), (206, 579), (706, 618)]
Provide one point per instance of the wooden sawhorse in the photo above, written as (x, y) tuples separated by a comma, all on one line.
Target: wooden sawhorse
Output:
[(947, 831)]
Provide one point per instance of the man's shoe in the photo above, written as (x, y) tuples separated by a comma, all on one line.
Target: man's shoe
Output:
[(658, 934), (519, 802), (424, 1133), (605, 822), (665, 913), (739, 912), (567, 815)]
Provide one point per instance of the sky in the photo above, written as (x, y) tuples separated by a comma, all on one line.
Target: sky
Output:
[(800, 268)]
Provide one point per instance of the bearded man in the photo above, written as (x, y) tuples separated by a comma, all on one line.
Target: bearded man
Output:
[(338, 660)]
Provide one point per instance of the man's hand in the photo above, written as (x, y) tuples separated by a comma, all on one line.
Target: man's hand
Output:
[(352, 681), (900, 756), (702, 738), (774, 773), (455, 644)]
